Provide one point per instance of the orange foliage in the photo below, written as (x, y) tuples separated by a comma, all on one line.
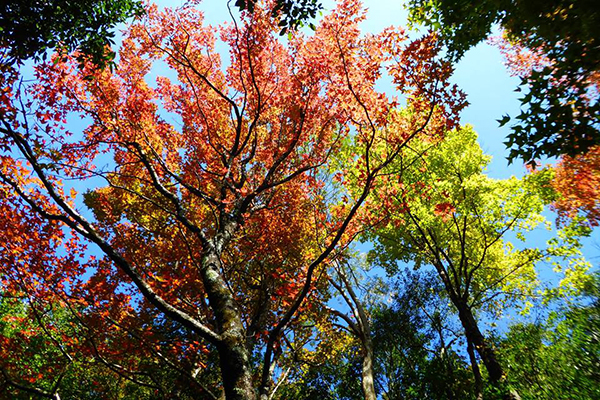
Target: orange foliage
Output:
[(225, 164), (577, 180)]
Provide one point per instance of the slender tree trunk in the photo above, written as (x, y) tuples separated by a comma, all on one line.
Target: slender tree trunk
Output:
[(362, 329), (476, 371), (368, 381), (487, 354), (446, 360)]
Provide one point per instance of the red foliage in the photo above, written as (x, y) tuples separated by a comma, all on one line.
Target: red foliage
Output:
[(577, 181), (224, 164)]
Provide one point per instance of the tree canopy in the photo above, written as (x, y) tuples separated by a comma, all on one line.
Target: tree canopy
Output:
[(29, 28), (560, 111), (233, 213)]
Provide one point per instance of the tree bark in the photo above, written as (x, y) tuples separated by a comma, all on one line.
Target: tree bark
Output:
[(362, 328), (235, 369), (233, 352), (487, 354), (475, 336), (476, 372), (368, 381)]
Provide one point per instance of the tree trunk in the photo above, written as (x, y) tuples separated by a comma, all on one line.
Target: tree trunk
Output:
[(235, 371), (476, 372), (487, 354), (368, 382), (233, 353), (475, 336), (362, 329)]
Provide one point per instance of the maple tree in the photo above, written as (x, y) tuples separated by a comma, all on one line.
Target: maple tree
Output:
[(577, 179), (212, 231)]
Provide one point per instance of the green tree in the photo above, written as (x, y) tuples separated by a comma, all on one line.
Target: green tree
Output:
[(445, 212), (30, 27), (558, 358), (414, 351), (560, 112), (417, 345)]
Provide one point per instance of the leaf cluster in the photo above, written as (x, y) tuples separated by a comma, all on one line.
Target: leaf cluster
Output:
[(29, 27), (560, 112), (292, 14)]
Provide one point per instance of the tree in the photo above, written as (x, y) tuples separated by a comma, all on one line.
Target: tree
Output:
[(576, 177), (292, 14), (560, 113), (412, 345), (446, 213), (213, 239), (357, 323), (416, 343), (557, 358), (29, 28)]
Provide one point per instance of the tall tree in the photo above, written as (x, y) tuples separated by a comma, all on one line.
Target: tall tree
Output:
[(357, 323), (413, 345), (446, 213), (213, 237)]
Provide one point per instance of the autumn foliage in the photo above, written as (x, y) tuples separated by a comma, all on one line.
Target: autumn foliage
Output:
[(578, 182), (185, 227)]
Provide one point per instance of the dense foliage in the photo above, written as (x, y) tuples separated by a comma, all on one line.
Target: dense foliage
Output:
[(28, 28), (560, 110), (194, 236)]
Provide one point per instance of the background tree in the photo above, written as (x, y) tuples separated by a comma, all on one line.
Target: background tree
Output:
[(417, 344), (413, 350), (357, 323), (557, 358), (446, 213), (292, 14), (560, 113), (29, 28)]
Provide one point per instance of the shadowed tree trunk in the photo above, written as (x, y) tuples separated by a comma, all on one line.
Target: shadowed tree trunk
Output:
[(476, 371)]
